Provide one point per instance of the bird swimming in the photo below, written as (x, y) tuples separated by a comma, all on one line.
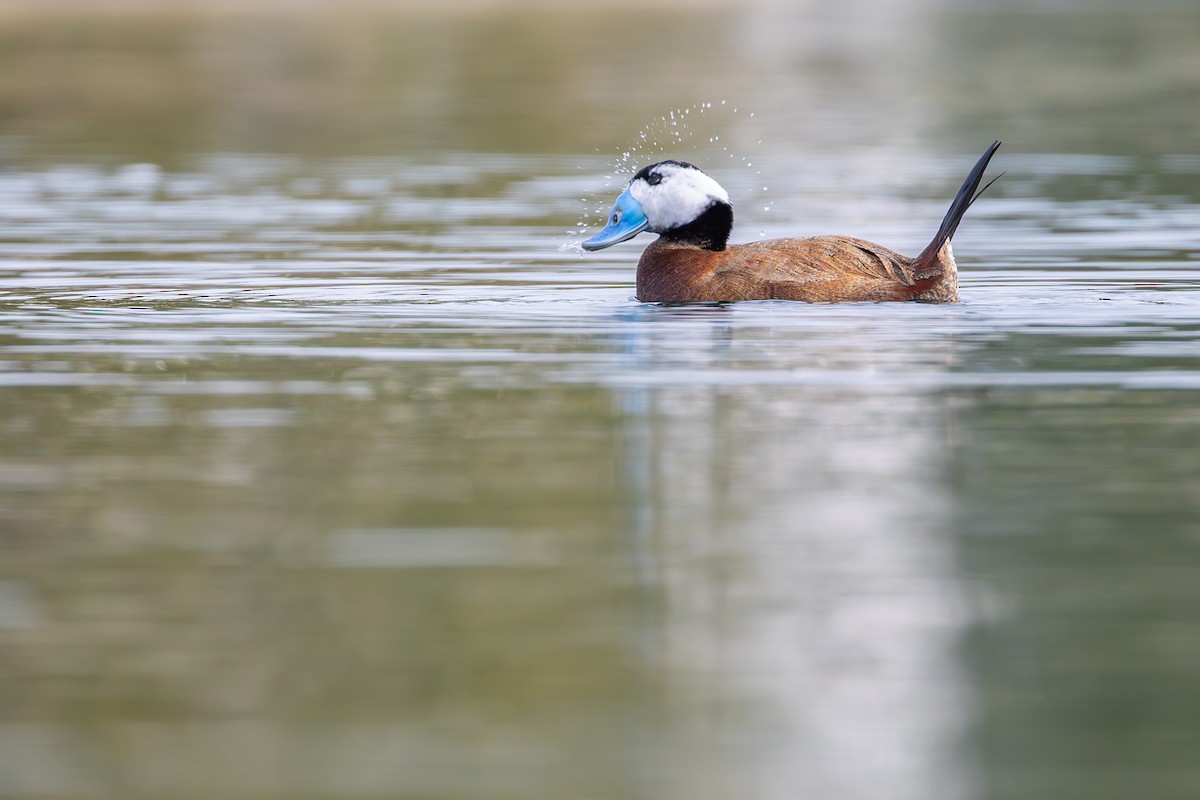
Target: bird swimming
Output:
[(691, 261)]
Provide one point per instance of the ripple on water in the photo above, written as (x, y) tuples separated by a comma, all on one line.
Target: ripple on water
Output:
[(457, 261)]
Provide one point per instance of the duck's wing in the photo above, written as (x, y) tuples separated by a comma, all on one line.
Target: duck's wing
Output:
[(816, 269)]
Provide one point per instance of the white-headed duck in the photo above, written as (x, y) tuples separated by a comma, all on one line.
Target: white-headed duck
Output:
[(691, 262)]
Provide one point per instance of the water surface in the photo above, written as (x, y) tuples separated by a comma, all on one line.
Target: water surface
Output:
[(335, 474)]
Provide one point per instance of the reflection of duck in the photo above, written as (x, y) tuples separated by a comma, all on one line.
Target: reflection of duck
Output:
[(691, 262)]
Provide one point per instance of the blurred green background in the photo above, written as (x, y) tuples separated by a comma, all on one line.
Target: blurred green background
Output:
[(161, 81)]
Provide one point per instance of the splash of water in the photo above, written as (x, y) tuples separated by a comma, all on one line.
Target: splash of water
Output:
[(676, 134)]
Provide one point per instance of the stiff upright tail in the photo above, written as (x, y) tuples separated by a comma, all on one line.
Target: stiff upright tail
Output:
[(962, 201)]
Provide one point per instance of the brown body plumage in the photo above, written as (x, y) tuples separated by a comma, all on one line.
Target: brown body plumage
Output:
[(691, 262), (821, 269)]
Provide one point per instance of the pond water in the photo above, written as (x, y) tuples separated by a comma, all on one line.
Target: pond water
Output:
[(333, 472)]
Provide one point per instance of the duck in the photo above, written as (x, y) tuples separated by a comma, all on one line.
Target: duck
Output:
[(692, 260)]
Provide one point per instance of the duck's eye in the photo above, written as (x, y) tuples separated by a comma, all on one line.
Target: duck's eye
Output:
[(654, 179), (616, 217)]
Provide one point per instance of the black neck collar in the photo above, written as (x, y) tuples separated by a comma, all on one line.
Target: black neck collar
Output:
[(709, 231)]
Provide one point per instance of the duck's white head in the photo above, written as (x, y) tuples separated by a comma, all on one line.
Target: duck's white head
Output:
[(671, 198)]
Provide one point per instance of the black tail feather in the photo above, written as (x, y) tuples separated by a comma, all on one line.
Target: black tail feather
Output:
[(967, 195)]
